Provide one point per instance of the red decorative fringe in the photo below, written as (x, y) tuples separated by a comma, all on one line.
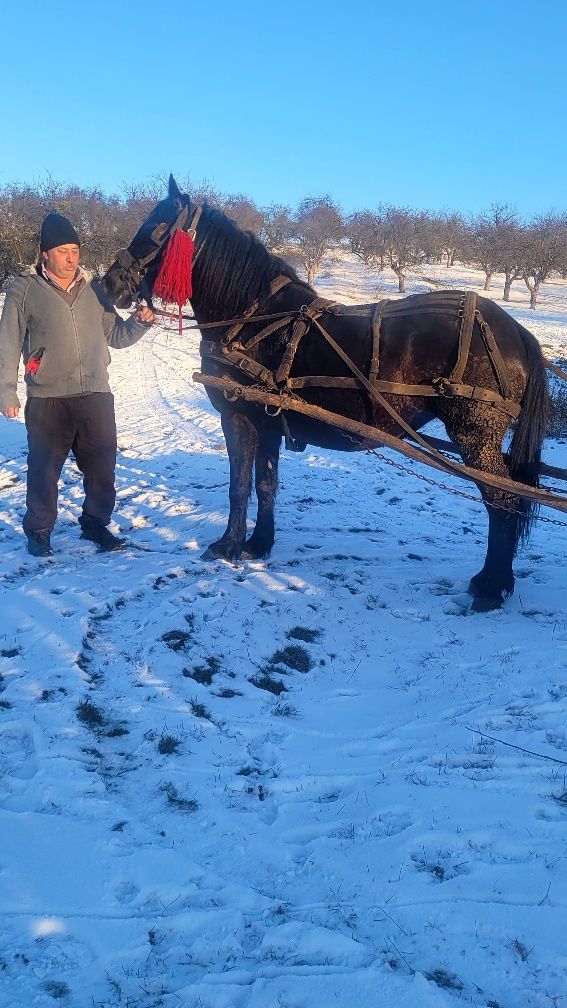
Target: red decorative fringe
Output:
[(173, 282)]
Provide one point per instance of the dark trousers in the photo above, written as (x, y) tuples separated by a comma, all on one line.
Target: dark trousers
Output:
[(85, 425)]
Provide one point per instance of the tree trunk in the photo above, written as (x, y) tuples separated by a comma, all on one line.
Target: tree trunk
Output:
[(488, 280), (533, 287), (507, 286)]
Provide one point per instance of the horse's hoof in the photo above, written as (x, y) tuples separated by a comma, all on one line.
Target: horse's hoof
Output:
[(220, 551), (210, 554), (255, 551), (489, 592), (484, 604)]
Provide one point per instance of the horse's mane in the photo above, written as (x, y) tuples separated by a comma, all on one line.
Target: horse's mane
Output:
[(232, 267)]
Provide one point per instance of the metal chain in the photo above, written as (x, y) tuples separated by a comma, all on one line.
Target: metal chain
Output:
[(453, 490), (444, 486)]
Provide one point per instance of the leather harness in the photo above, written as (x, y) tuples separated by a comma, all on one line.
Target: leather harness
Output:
[(231, 351)]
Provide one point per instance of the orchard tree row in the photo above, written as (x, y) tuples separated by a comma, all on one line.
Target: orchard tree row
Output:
[(400, 238)]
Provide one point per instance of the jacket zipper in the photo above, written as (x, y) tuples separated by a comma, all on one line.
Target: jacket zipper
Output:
[(72, 313), (78, 347)]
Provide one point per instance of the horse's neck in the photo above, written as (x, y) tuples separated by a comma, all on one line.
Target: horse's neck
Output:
[(237, 274), (289, 298)]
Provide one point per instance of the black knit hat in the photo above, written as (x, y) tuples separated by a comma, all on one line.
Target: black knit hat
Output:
[(57, 230)]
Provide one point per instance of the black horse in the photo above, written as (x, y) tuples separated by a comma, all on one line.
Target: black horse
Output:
[(235, 277)]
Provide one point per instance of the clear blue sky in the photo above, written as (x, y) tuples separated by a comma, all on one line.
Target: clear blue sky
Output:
[(437, 105)]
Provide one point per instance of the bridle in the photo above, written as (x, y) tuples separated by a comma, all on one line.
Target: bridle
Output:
[(133, 270)]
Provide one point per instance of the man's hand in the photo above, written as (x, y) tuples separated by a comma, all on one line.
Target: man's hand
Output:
[(145, 315), (11, 412)]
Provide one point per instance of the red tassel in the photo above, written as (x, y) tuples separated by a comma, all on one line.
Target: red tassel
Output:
[(173, 282)]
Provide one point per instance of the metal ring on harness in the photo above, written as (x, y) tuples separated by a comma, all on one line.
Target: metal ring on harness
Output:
[(277, 410), (232, 396)]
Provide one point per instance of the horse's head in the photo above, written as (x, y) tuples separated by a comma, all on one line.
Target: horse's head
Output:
[(134, 270)]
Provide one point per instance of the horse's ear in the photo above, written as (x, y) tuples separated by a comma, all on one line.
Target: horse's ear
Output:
[(174, 190)]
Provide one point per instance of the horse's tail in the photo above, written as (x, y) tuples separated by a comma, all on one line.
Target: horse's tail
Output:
[(530, 428)]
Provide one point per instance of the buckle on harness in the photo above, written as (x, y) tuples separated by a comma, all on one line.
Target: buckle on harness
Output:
[(443, 388)]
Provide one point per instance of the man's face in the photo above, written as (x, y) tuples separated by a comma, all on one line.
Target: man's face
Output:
[(62, 261)]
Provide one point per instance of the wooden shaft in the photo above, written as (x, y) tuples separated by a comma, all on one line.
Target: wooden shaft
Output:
[(375, 436)]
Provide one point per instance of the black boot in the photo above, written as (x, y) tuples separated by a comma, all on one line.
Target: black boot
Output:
[(96, 532), (39, 543)]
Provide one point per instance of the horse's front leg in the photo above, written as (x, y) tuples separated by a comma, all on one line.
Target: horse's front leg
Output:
[(241, 441), (267, 456)]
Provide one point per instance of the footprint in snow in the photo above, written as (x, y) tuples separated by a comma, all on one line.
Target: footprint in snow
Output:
[(18, 756)]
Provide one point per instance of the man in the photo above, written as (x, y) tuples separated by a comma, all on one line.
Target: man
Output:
[(63, 324)]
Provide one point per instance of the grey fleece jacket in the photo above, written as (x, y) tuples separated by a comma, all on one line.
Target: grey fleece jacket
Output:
[(65, 347)]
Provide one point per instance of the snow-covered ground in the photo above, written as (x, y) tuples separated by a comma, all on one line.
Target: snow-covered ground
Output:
[(314, 781)]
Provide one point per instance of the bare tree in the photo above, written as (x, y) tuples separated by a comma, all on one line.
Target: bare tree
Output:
[(318, 227), (451, 231), (483, 243), (278, 227), (546, 251), (366, 237), (407, 235), (243, 212), (497, 245), (22, 209), (399, 237), (511, 247)]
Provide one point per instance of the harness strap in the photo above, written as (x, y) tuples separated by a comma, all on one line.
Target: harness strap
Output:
[(441, 388), (322, 381), (268, 331), (192, 229), (291, 443), (276, 285), (467, 310), (125, 258), (222, 323), (376, 328), (308, 314), (495, 357), (447, 389), (370, 388), (238, 360)]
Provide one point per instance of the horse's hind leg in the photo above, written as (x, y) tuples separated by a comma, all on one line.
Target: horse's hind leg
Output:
[(495, 581), (267, 456), (241, 440), (481, 447)]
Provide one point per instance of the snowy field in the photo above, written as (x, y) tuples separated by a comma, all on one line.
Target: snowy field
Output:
[(309, 782)]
